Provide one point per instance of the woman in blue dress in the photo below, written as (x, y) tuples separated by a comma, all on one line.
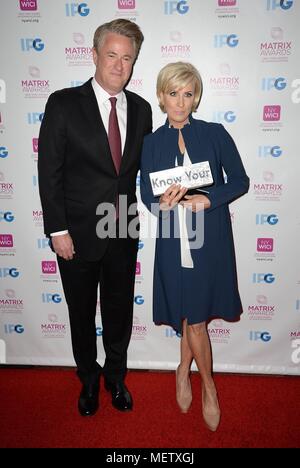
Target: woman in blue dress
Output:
[(194, 281)]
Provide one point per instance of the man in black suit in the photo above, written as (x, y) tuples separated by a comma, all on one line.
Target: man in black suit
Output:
[(89, 154)]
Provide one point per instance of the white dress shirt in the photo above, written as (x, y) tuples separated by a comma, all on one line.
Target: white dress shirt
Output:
[(104, 105)]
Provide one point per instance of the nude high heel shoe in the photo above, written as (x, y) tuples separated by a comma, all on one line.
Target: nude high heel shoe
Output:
[(211, 412), (183, 393)]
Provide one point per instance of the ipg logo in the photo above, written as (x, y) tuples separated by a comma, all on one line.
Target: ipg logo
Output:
[(28, 5), (141, 245), (12, 272), (99, 331), (170, 333), (265, 151), (6, 216), (3, 152), (221, 40), (11, 328), (262, 219), (139, 300), (34, 117), (2, 91), (43, 243), (35, 44), (277, 83), (283, 4), (180, 7), (263, 278), (258, 335), (73, 9), (50, 297), (126, 4), (224, 116)]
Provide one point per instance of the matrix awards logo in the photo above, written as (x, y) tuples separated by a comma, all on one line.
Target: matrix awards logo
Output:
[(268, 190), (6, 188), (9, 303), (227, 9), (218, 331), (264, 249), (276, 50), (139, 330), (2, 91), (175, 47), (37, 218), (138, 273), (262, 310), (135, 85), (29, 11), (35, 88), (180, 7), (53, 328), (224, 82), (78, 55)]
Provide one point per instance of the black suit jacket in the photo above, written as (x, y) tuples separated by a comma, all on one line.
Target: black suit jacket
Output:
[(76, 171)]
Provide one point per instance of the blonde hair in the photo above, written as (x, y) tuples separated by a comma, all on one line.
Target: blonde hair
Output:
[(123, 27), (177, 75)]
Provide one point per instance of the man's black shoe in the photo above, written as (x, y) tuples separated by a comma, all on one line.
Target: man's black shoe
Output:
[(88, 402), (120, 396)]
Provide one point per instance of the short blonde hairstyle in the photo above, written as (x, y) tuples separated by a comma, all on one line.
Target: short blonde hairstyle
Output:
[(177, 75)]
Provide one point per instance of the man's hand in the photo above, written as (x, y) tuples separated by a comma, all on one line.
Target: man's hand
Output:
[(171, 197), (63, 246)]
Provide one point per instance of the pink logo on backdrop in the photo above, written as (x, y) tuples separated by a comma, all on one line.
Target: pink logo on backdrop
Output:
[(265, 244), (35, 144), (6, 240), (49, 267), (271, 113), (28, 5), (226, 2), (126, 4), (138, 268)]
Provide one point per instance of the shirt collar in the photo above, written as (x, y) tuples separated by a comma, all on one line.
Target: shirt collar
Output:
[(103, 96)]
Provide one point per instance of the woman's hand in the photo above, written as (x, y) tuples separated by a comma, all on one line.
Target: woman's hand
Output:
[(195, 202), (171, 197)]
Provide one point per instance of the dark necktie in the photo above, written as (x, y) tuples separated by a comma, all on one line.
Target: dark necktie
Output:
[(114, 136)]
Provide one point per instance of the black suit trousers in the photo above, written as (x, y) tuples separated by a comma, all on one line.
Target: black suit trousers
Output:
[(115, 273)]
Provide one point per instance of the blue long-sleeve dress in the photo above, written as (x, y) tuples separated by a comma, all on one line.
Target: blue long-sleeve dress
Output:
[(210, 288)]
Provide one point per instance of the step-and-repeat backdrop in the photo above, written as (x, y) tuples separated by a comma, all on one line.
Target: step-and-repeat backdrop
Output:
[(248, 55)]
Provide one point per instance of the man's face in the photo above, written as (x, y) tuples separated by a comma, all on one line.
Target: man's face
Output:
[(114, 61)]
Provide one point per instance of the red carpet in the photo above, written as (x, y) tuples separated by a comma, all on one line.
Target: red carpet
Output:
[(38, 408)]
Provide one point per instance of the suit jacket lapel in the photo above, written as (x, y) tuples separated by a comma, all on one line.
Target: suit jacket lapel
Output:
[(130, 131), (92, 114)]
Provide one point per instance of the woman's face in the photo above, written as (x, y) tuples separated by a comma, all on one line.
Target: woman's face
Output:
[(178, 104)]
